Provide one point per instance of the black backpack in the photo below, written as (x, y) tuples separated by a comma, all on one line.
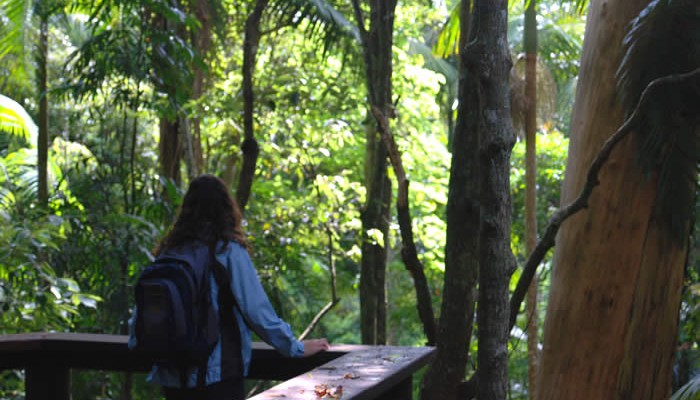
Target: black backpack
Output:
[(176, 323)]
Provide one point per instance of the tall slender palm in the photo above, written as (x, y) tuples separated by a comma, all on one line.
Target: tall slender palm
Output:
[(15, 38)]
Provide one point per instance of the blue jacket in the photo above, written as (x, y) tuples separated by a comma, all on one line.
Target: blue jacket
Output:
[(254, 312)]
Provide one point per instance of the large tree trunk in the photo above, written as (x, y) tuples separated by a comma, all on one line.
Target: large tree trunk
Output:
[(613, 312), (250, 145), (42, 78), (377, 49), (443, 379), (491, 57), (532, 316)]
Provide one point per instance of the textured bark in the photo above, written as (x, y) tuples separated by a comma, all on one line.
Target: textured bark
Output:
[(443, 379), (612, 317), (531, 314), (377, 50), (170, 148), (42, 78), (496, 261), (250, 146)]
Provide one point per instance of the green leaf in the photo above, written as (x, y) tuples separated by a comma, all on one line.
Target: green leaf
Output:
[(15, 120), (376, 236), (448, 41)]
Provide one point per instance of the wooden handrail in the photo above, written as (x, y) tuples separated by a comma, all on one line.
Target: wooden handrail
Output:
[(365, 372), (376, 372)]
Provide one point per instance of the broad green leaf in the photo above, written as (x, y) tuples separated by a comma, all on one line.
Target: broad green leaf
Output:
[(15, 120)]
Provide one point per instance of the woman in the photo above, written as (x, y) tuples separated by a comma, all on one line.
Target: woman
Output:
[(209, 217)]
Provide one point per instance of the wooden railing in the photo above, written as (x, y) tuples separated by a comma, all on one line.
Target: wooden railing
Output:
[(349, 372)]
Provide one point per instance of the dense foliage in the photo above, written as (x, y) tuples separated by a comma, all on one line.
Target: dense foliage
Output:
[(70, 265)]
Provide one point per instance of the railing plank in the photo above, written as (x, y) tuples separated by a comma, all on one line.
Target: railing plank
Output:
[(360, 375), (364, 372)]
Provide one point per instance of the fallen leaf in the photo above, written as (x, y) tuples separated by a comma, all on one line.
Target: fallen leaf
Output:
[(336, 392)]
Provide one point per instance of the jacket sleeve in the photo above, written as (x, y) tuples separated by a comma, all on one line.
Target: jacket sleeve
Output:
[(255, 306)]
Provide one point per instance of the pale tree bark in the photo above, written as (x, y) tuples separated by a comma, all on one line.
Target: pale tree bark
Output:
[(250, 144), (613, 311), (491, 55), (377, 40), (444, 377), (532, 316)]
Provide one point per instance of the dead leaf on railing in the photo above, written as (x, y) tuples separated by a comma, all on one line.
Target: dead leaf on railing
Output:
[(324, 391)]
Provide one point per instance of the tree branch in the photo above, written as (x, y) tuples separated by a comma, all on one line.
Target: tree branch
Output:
[(249, 146), (409, 253), (334, 295), (360, 21), (581, 202)]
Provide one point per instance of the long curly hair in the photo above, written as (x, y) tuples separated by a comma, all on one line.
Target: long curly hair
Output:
[(208, 214)]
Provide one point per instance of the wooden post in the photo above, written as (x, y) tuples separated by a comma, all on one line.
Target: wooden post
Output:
[(47, 379), (402, 391)]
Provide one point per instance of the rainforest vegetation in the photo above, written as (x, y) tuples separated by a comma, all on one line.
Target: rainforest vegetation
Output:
[(403, 166)]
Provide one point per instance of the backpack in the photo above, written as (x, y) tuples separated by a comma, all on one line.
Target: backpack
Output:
[(176, 323)]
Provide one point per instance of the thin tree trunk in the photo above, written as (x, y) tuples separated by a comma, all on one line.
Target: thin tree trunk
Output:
[(613, 312), (170, 145), (188, 139), (202, 43), (409, 254), (377, 50), (42, 77), (532, 316), (170, 150), (250, 144), (443, 379), (496, 261)]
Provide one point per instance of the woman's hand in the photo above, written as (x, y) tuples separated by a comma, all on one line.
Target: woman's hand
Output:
[(313, 346)]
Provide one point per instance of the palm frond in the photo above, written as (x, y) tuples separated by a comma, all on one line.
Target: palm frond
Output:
[(75, 27), (324, 23), (15, 120), (13, 38), (433, 63), (578, 6), (546, 93), (447, 43), (689, 391), (559, 44), (668, 144)]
